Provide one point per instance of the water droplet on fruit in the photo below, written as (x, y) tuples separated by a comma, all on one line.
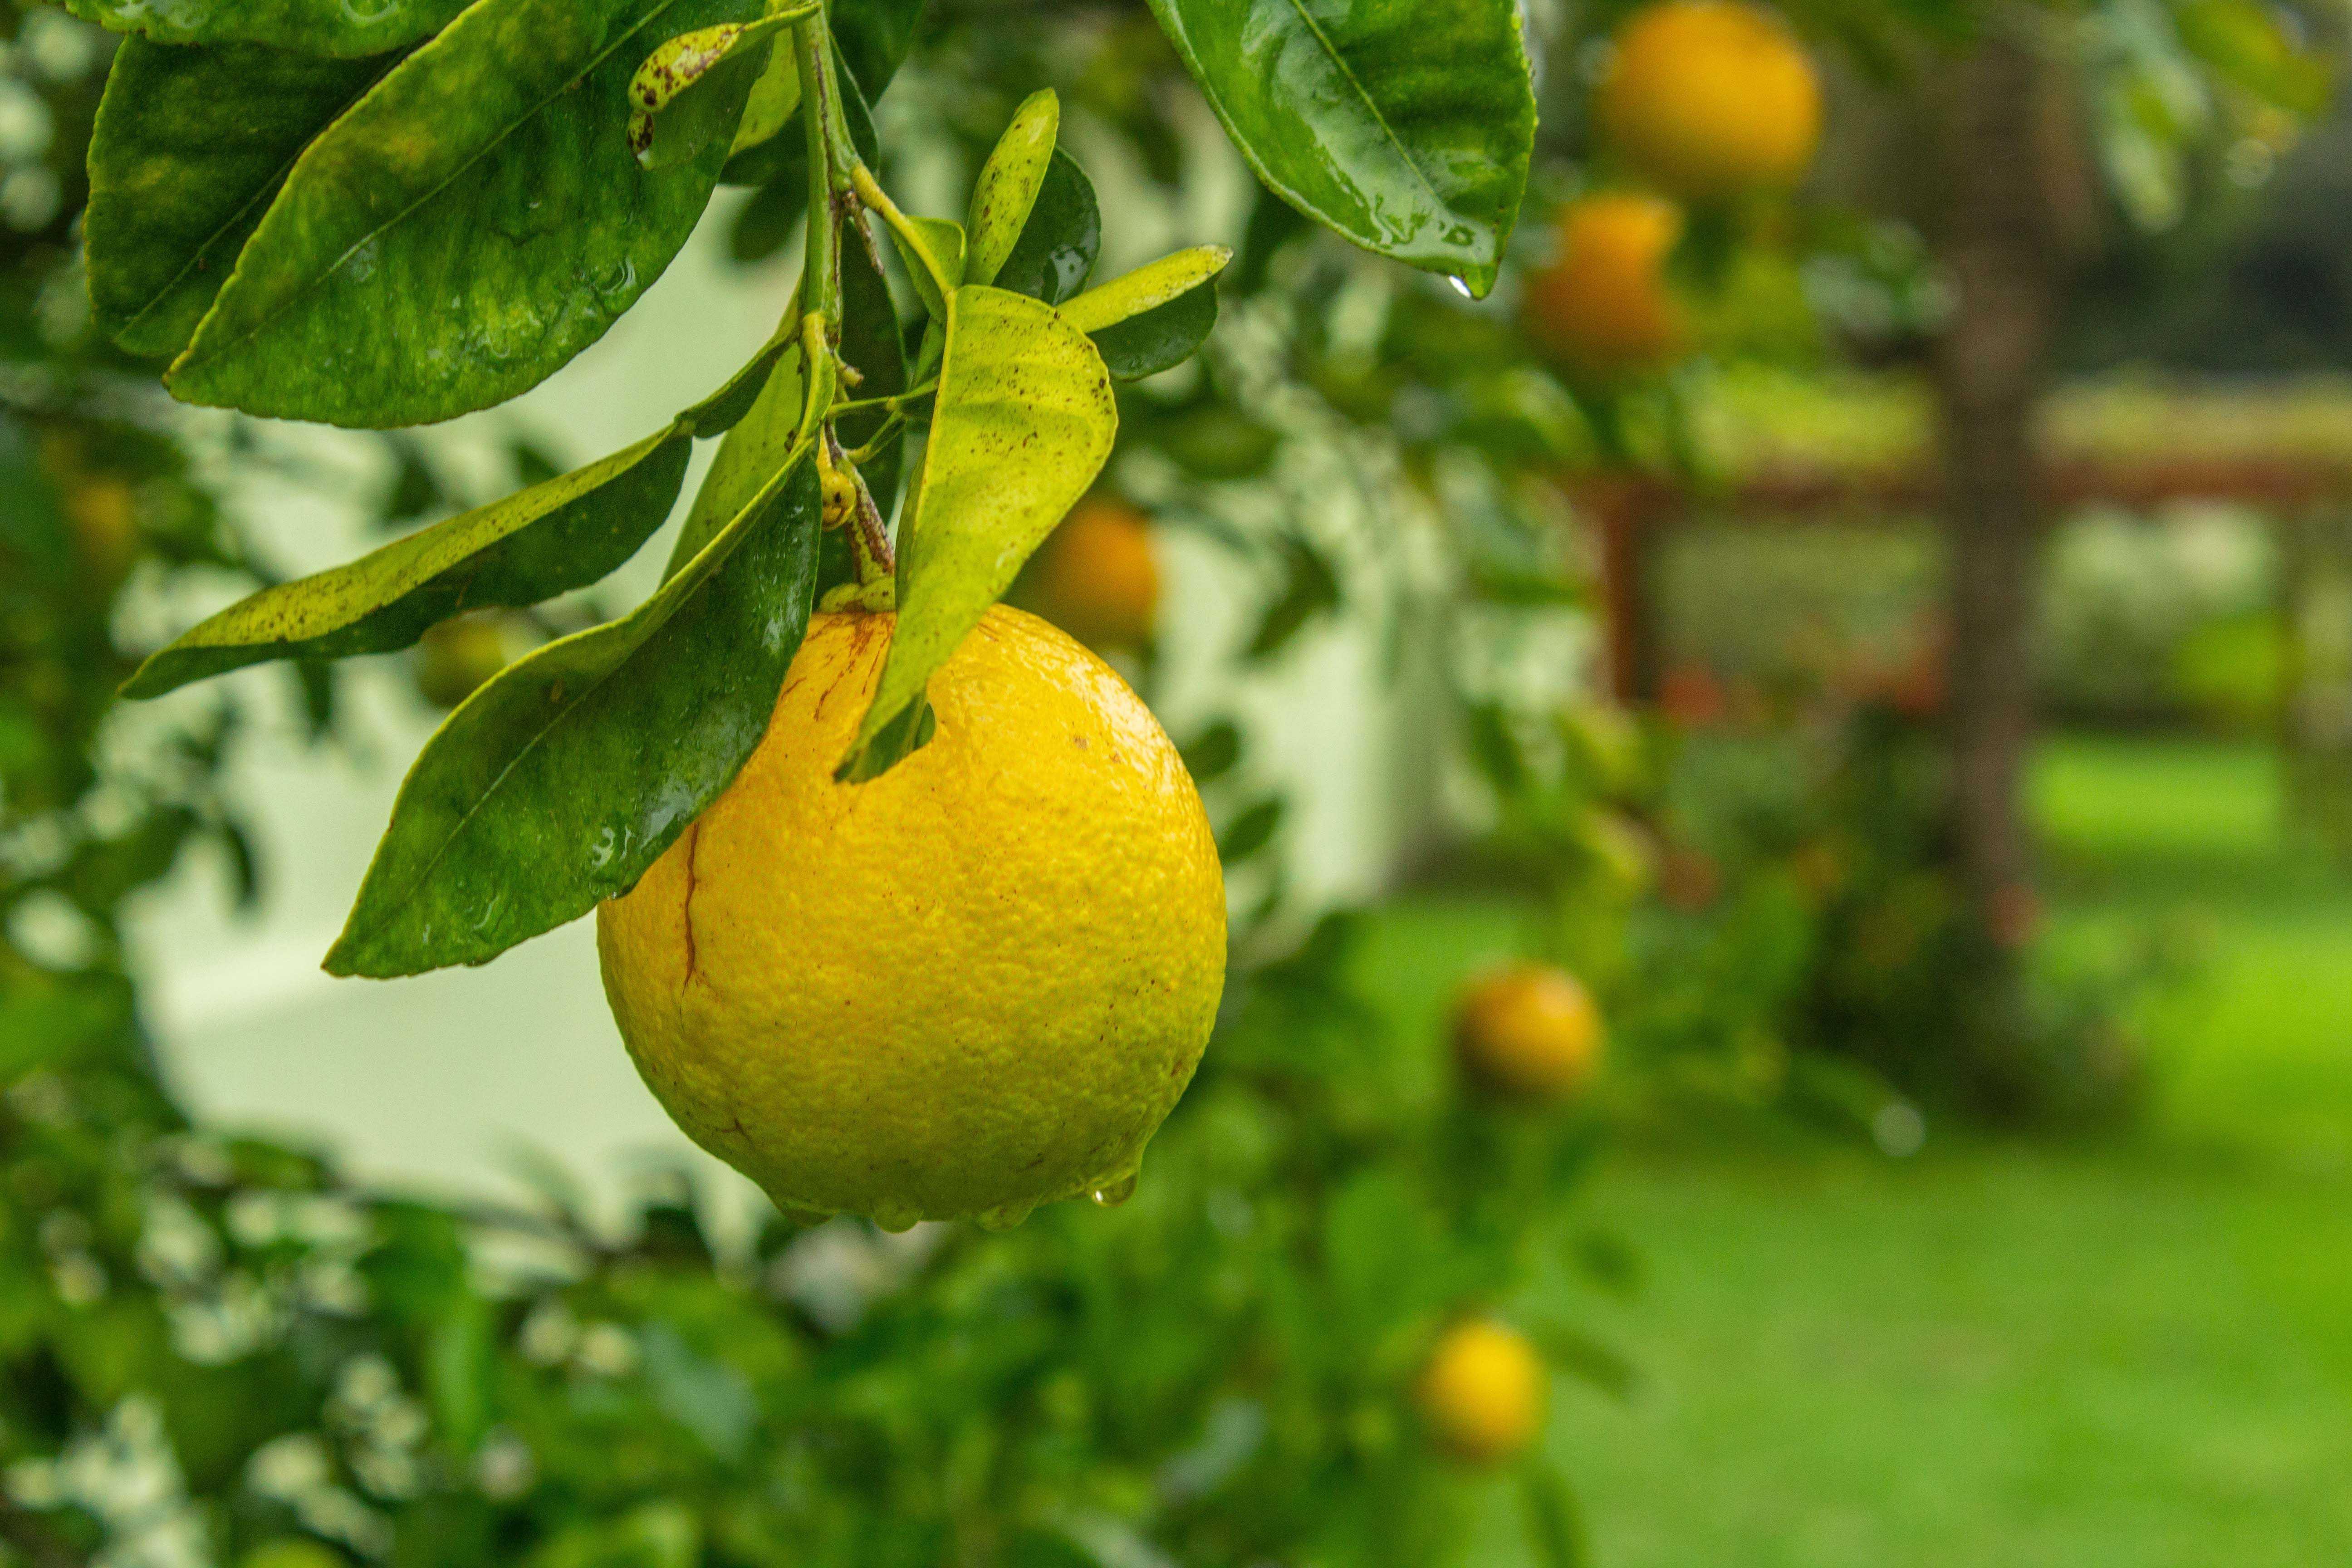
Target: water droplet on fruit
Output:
[(897, 1217), (1113, 1194), (1005, 1216)]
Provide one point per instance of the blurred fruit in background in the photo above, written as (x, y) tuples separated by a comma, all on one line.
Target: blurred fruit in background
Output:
[(458, 655), (102, 509), (1481, 1393), (1710, 98), (1529, 1030), (1602, 308), (1098, 577)]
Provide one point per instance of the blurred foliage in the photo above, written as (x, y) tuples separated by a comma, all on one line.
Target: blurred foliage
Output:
[(221, 1349)]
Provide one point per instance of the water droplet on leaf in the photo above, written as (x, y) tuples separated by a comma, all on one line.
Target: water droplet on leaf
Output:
[(1005, 1216), (897, 1217), (1113, 1194), (1462, 288)]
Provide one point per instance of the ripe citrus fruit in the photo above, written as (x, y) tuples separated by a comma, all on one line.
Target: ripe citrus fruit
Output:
[(1528, 1029), (976, 983), (1482, 1392), (1603, 306), (1711, 98), (1098, 578)]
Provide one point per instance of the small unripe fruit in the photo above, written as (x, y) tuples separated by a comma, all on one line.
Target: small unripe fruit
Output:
[(1482, 1393), (1711, 98), (1099, 578), (1602, 307), (457, 657), (1529, 1030)]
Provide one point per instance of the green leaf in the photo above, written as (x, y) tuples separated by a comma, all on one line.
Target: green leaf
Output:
[(754, 452), (1554, 1520), (553, 537), (1024, 422), (1160, 338), (1149, 287), (695, 90), (1156, 316), (335, 28), (870, 40), (1006, 191), (1406, 125), (871, 342), (1056, 253), (934, 255), (190, 147), (559, 782), (1247, 835), (467, 228)]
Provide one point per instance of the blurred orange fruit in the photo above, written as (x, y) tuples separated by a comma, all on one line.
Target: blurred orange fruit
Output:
[(1710, 98), (1482, 1392), (1528, 1029), (1602, 307), (1099, 578)]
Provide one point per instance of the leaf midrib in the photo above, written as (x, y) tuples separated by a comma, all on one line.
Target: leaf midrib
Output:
[(268, 189), (188, 361), (1379, 119)]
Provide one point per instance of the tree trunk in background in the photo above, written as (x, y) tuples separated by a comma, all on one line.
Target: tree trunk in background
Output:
[(1990, 366)]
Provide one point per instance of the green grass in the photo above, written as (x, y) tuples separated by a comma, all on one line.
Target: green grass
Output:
[(2136, 1353)]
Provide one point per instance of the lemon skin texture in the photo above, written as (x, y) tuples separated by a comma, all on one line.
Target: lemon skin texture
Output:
[(1482, 1395), (974, 985), (1711, 98), (1529, 1030)]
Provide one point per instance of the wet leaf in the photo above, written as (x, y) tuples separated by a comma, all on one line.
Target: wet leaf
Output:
[(559, 782), (190, 147), (1406, 125), (464, 230), (1006, 191), (693, 90), (1056, 253), (335, 28), (547, 540), (1024, 422)]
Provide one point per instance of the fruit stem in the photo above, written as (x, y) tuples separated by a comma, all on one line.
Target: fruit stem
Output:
[(829, 169), (870, 541)]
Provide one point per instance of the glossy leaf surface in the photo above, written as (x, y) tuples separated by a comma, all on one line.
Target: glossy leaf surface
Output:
[(337, 27), (553, 537), (1024, 422), (935, 253), (1406, 125), (1160, 338), (559, 782), (1056, 253), (1008, 185), (467, 229), (190, 147)]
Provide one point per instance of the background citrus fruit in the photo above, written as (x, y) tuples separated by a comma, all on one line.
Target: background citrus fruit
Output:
[(1602, 307), (1482, 1392), (1098, 578), (1528, 1029), (1711, 98)]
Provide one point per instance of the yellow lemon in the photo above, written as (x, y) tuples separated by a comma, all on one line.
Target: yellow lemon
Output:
[(1603, 306), (1482, 1393), (1098, 577), (1711, 98), (1528, 1029), (974, 984)]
